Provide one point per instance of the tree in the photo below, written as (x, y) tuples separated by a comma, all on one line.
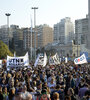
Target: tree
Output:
[(4, 51)]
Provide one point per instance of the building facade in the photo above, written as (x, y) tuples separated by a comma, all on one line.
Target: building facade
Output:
[(17, 37), (64, 31), (4, 35), (27, 38), (67, 50), (81, 31), (44, 35)]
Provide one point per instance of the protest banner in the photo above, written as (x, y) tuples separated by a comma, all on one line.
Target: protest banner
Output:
[(18, 61), (80, 60)]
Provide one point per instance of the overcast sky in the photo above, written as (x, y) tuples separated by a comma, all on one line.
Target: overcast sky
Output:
[(49, 11)]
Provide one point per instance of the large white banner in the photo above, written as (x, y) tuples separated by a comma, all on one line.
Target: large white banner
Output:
[(80, 60), (0, 63), (18, 61), (54, 60), (41, 60)]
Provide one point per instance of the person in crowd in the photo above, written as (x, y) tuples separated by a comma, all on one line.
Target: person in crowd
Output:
[(18, 96), (56, 96), (47, 89), (68, 81), (39, 82), (5, 93), (52, 85), (1, 96), (11, 93), (83, 90), (71, 94), (82, 83), (25, 94), (29, 97), (67, 98), (87, 95), (59, 90), (43, 95)]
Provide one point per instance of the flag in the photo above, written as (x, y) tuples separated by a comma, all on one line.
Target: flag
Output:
[(80, 60), (54, 60), (36, 62), (26, 59), (41, 60), (45, 60)]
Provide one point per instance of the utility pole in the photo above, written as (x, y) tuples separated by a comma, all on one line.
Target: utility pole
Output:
[(77, 44), (7, 14), (31, 39), (34, 8)]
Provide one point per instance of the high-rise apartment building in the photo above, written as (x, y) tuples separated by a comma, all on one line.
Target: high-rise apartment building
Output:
[(12, 29), (81, 30), (4, 36), (64, 31), (17, 37), (27, 38), (45, 35)]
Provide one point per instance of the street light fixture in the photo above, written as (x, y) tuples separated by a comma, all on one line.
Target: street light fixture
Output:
[(8, 14)]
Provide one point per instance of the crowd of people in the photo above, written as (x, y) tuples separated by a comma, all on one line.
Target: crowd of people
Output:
[(56, 82)]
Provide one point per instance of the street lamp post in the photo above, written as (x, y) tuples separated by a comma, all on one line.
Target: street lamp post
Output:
[(31, 39), (77, 43), (34, 8), (7, 14)]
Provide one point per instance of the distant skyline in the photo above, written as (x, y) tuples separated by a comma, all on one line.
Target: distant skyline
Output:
[(49, 12)]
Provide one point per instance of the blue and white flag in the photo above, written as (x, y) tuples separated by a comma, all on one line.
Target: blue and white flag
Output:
[(80, 60)]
